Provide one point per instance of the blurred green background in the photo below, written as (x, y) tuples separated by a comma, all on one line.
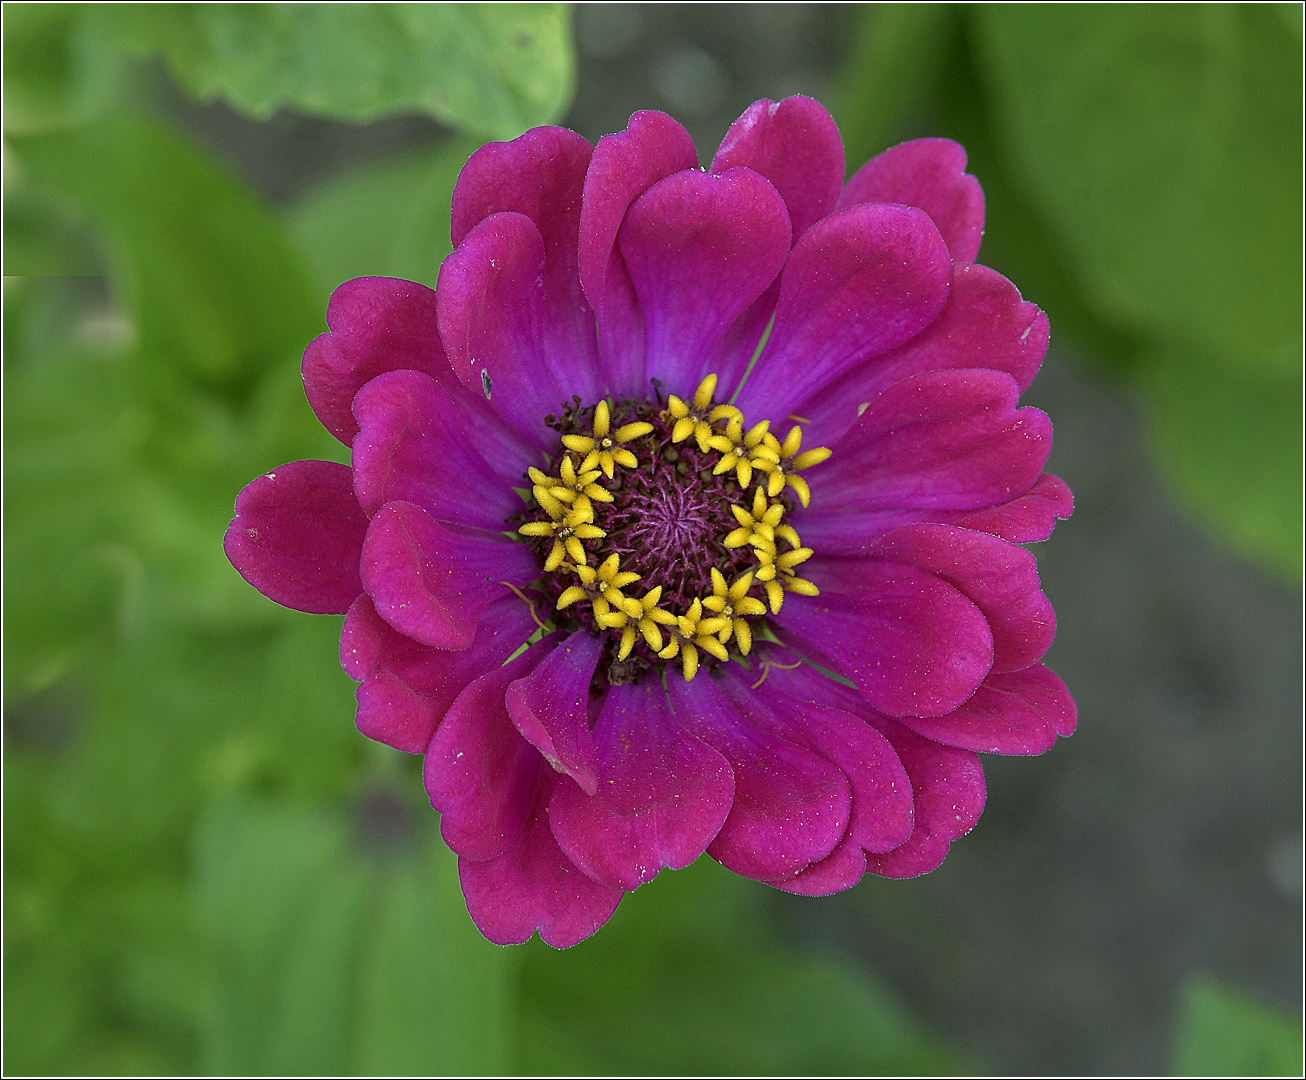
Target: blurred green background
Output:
[(207, 870)]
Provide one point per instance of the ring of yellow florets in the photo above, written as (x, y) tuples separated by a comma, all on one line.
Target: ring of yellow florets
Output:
[(686, 494)]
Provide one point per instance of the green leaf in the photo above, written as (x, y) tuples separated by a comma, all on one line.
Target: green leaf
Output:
[(333, 959), (490, 69), (215, 289), (64, 463), (1163, 145), (387, 220), (1231, 446), (57, 69), (1018, 239), (893, 64), (1225, 1033), (682, 982)]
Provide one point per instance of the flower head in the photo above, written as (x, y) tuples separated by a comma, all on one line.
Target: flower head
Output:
[(683, 515)]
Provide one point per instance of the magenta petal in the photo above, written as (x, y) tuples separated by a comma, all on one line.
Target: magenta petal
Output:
[(1027, 518), (946, 440), (623, 167), (662, 794), (479, 772), (551, 708), (948, 789), (432, 584), (930, 174), (984, 324), (881, 816), (1019, 712), (491, 321), (911, 642), (377, 325), (791, 806), (541, 175), (795, 144), (414, 445), (297, 536), (1001, 579), (858, 283), (841, 869), (700, 249), (533, 885), (407, 687)]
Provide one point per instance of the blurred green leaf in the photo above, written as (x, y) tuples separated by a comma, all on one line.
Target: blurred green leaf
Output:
[(42, 237), (1163, 144), (58, 69), (1225, 1033), (1231, 445), (1018, 240), (100, 963), (387, 220), (336, 959), (63, 465), (684, 982), (894, 62), (490, 69), (215, 289)]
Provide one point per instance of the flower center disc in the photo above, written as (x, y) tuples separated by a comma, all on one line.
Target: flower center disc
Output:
[(660, 526)]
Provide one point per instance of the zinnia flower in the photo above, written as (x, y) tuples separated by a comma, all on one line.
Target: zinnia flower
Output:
[(683, 514)]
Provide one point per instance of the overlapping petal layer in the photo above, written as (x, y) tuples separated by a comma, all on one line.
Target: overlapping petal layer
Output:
[(564, 776)]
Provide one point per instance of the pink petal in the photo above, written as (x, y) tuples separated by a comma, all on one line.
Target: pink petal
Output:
[(1027, 518), (943, 441), (700, 249), (551, 708), (881, 816), (377, 325), (432, 584), (841, 869), (623, 167), (541, 175), (479, 772), (795, 144), (1001, 579), (662, 794), (911, 642), (406, 687), (415, 445), (297, 536), (491, 320), (930, 174), (791, 806), (533, 885), (1018, 712), (858, 283), (984, 324), (948, 789)]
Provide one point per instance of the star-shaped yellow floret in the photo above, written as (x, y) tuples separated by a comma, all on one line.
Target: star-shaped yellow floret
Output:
[(777, 576), (603, 449), (756, 526), (638, 617), (696, 419), (570, 486), (742, 450), (568, 528), (788, 463), (694, 631), (602, 587), (732, 603)]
